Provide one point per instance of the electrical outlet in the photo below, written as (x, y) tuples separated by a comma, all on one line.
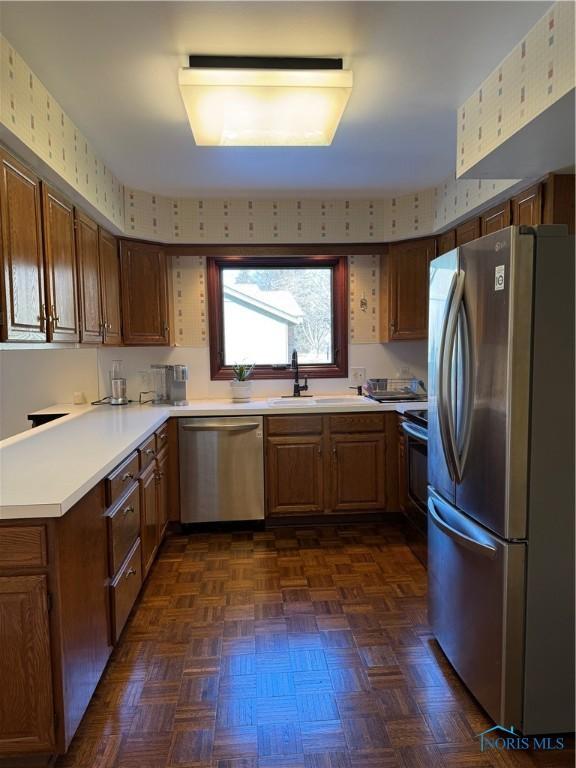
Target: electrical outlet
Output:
[(358, 376)]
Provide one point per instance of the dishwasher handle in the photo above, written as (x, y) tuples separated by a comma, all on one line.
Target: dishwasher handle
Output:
[(215, 427)]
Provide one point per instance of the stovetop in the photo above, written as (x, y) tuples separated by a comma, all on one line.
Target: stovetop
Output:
[(419, 416)]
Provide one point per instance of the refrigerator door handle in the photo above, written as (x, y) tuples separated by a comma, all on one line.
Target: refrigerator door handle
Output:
[(467, 395), (446, 406), (460, 538)]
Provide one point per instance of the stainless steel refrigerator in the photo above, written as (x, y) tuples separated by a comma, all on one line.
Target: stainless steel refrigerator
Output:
[(501, 472)]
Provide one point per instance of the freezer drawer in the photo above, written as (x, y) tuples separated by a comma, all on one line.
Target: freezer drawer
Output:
[(476, 607)]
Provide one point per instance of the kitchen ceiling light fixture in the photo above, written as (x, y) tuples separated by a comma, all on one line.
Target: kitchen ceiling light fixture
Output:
[(257, 101)]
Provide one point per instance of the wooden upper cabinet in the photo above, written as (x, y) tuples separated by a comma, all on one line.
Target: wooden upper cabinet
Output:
[(496, 218), (527, 207), (26, 706), (60, 253), (404, 290), (295, 475), (446, 242), (110, 284), (145, 304), (468, 231), (358, 472), (558, 200), (22, 275), (89, 279)]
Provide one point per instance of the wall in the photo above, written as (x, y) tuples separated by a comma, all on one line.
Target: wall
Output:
[(34, 116), (393, 359), (31, 379), (29, 114), (534, 75), (191, 332)]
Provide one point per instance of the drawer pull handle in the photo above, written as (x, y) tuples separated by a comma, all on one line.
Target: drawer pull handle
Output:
[(162, 436), (131, 572), (149, 452), (128, 510), (127, 476)]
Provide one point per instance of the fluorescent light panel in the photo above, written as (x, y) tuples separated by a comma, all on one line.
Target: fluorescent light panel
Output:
[(239, 107)]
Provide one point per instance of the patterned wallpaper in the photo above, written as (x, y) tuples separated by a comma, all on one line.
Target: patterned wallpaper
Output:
[(189, 290), (29, 111), (538, 72), (213, 221)]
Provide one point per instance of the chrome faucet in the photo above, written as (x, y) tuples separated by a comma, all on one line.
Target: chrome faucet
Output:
[(298, 388)]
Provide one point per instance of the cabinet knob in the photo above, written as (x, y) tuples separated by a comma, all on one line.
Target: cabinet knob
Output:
[(162, 436), (127, 476), (131, 572), (128, 510), (55, 317), (149, 452)]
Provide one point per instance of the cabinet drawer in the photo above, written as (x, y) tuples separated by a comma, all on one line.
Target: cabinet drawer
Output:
[(120, 479), (294, 425), (161, 437), (125, 589), (23, 546), (147, 452), (123, 528), (357, 422)]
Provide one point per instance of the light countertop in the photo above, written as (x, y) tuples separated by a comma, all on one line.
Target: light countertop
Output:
[(45, 471)]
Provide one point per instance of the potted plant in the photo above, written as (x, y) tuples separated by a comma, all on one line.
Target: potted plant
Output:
[(241, 387)]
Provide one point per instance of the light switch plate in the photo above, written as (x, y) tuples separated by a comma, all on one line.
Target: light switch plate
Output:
[(358, 376)]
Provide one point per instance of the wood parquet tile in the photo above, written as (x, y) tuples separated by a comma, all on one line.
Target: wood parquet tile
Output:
[(298, 647)]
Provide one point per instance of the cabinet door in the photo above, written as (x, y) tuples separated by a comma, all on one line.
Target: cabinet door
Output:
[(148, 516), (89, 289), (22, 275), (26, 702), (60, 252), (446, 242), (162, 492), (110, 272), (527, 207), (402, 478), (496, 218), (358, 472), (294, 475), (144, 276), (468, 231), (405, 290)]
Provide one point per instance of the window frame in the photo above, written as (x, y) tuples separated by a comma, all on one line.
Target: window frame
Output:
[(339, 266)]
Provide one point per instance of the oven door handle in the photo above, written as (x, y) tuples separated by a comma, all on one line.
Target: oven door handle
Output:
[(419, 433)]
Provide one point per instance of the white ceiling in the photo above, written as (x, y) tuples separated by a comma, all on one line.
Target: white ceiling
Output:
[(113, 67)]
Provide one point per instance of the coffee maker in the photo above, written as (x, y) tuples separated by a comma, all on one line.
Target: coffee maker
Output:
[(171, 384)]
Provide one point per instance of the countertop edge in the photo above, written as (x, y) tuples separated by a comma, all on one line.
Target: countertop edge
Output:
[(55, 508)]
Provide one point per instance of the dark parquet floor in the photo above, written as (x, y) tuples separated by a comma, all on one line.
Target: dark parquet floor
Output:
[(290, 648)]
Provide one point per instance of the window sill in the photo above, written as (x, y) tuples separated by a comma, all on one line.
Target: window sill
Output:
[(267, 372)]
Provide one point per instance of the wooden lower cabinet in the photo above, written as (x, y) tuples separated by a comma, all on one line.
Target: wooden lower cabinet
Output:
[(26, 705), (403, 500), (340, 469), (295, 475), (357, 476), (67, 586), (148, 516), (162, 499)]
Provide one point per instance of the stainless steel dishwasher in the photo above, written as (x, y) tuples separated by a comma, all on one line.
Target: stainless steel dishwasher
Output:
[(221, 469)]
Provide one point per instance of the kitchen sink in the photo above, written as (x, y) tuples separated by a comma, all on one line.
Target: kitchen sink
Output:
[(304, 402)]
